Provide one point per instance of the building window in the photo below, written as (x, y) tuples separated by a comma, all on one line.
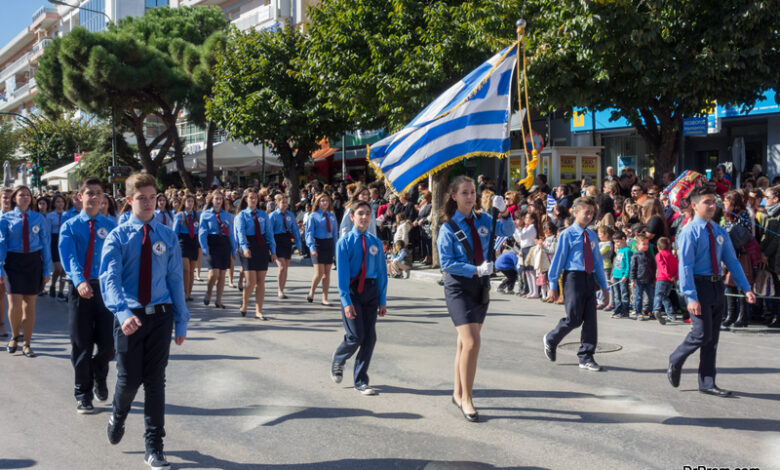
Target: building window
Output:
[(92, 20), (156, 3)]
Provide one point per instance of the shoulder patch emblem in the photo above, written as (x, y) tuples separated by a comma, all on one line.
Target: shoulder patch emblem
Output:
[(36, 228), (159, 248), (102, 233), (195, 224), (720, 239), (483, 231)]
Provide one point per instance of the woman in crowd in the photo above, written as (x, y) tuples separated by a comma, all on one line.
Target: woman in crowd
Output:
[(652, 217), (321, 236), (229, 207), (359, 193), (25, 254), (186, 224), (463, 246), (215, 235), (55, 219), (423, 223), (5, 206), (163, 212), (285, 230), (256, 243)]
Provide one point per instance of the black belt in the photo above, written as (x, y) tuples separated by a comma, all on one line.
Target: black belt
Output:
[(153, 309), (708, 278), (366, 281)]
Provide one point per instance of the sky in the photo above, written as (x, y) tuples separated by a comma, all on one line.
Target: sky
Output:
[(16, 15)]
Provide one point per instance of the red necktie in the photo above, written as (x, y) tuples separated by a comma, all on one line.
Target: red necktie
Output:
[(191, 225), (145, 271), (25, 234), (713, 252), (327, 220), (587, 253), (362, 280), (90, 251), (258, 235), (479, 258), (165, 220), (222, 228)]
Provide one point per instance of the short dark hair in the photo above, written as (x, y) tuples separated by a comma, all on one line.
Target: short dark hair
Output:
[(697, 193), (90, 181), (360, 204), (619, 235)]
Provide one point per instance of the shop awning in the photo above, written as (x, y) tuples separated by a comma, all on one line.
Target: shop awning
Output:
[(231, 155)]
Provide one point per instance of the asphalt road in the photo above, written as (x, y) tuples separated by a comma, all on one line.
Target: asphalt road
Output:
[(245, 394)]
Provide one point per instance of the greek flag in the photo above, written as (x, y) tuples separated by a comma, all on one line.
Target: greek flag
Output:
[(471, 119), (550, 204), (499, 243)]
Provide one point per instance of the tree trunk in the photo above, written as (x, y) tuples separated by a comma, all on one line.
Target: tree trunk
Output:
[(441, 182), (292, 169), (659, 128), (211, 130)]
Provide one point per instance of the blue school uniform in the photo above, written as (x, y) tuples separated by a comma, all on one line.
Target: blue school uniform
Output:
[(217, 238), (319, 239), (25, 268), (261, 245), (285, 230), (164, 217), (189, 244)]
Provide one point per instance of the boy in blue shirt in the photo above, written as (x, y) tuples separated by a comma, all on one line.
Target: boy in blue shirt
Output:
[(362, 281), (507, 264), (577, 258), (141, 280)]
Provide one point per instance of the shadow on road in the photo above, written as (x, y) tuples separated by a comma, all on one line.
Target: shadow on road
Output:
[(488, 393), (17, 463)]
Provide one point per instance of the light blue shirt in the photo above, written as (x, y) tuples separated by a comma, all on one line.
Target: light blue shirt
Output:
[(121, 263), (73, 243), (125, 216), (693, 243), (11, 238), (285, 223), (245, 227), (210, 226), (316, 227), (182, 225), (452, 255), (159, 215), (72, 212), (569, 255), (56, 219), (347, 224), (349, 260)]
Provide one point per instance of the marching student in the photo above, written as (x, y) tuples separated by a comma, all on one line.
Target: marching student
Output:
[(163, 212), (215, 235), (463, 245), (362, 283), (185, 226), (256, 244), (91, 324), (702, 246), (321, 235), (25, 254), (285, 229), (577, 258), (141, 282), (5, 206), (75, 207), (56, 218), (361, 193)]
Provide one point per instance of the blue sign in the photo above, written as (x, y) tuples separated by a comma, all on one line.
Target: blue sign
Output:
[(695, 126)]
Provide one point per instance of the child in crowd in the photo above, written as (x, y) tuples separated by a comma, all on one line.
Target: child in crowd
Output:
[(550, 241), (620, 273), (665, 277), (607, 253), (642, 275), (507, 263), (403, 227), (398, 263)]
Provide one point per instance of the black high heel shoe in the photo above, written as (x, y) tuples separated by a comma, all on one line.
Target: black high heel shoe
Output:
[(12, 349), (470, 417), (205, 301), (219, 305), (27, 351), (243, 312), (310, 299)]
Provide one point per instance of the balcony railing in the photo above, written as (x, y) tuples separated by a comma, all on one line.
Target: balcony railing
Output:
[(42, 11), (23, 60), (41, 45), (255, 17)]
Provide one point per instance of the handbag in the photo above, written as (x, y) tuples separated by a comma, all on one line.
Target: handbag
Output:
[(763, 285), (746, 262), (541, 279)]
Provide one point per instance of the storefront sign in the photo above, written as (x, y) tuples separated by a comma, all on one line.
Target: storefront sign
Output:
[(695, 126), (568, 169), (590, 167), (626, 162)]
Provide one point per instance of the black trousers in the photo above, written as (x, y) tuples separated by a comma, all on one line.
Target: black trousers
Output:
[(360, 333), (705, 331), (511, 278), (141, 358), (579, 298), (90, 324)]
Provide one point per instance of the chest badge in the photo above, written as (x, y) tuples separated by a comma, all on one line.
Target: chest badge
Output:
[(483, 231), (195, 224), (102, 233), (36, 228), (159, 248), (720, 239), (373, 250), (592, 245)]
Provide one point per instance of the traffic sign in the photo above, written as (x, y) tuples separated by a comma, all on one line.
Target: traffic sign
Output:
[(538, 142)]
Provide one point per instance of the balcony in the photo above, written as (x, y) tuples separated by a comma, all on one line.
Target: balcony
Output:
[(256, 18), (16, 98), (44, 17), (38, 48), (19, 64)]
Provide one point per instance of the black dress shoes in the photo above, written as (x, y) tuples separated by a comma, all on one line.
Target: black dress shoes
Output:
[(470, 417), (549, 350), (673, 374), (718, 392)]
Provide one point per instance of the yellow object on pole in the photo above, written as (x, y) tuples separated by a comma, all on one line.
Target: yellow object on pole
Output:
[(532, 162)]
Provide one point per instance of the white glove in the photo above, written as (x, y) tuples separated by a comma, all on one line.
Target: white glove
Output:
[(485, 269), (499, 203)]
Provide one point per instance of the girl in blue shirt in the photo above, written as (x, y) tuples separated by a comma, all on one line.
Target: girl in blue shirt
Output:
[(163, 212), (321, 234), (285, 229), (56, 218), (42, 205), (465, 279), (185, 225), (256, 243), (25, 254), (215, 235), (5, 206)]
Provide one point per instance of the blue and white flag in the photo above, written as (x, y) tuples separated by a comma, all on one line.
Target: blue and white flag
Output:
[(499, 243), (550, 204), (471, 119)]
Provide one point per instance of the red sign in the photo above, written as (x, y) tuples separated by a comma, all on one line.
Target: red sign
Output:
[(537, 141)]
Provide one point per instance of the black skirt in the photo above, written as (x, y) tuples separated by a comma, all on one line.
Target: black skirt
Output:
[(284, 245), (260, 255), (55, 248), (325, 251), (463, 296), (189, 246), (25, 272), (219, 251)]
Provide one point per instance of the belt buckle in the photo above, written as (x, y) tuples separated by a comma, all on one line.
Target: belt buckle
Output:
[(150, 309)]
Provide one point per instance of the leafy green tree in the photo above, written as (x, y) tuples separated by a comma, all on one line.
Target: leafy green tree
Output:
[(57, 140), (99, 157), (260, 96), (654, 61), (9, 142)]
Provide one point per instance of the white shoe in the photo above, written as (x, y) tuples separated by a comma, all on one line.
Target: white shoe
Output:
[(366, 390)]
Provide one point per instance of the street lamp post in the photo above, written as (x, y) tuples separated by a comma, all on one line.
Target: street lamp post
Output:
[(113, 120), (37, 143)]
